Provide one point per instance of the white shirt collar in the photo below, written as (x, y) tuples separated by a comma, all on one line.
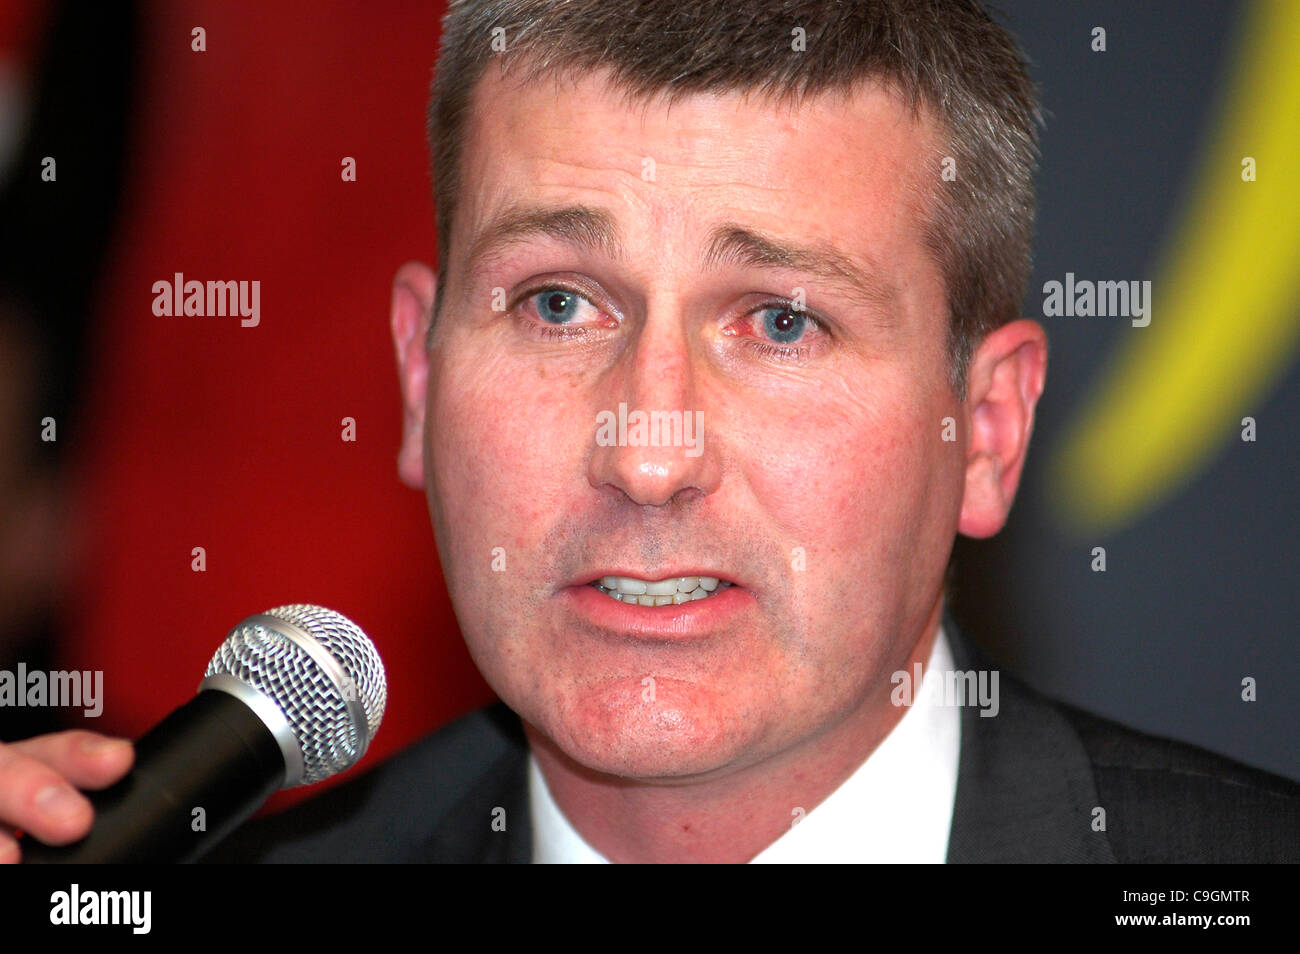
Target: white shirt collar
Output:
[(896, 807)]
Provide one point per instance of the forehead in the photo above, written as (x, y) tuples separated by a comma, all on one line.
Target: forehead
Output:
[(851, 171)]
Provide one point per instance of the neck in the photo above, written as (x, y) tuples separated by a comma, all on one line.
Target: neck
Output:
[(730, 817)]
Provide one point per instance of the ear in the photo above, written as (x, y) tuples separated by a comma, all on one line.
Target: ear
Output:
[(414, 288), (1004, 383)]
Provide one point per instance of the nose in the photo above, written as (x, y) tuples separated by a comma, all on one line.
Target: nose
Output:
[(652, 441)]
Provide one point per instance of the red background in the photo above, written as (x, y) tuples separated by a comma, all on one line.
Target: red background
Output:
[(200, 432)]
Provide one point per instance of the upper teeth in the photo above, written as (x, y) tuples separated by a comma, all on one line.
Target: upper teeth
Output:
[(630, 589)]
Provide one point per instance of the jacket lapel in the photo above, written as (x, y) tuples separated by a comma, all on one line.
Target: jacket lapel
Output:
[(1025, 786), (470, 832)]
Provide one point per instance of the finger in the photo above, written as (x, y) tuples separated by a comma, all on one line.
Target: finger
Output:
[(85, 759), (9, 853), (35, 798)]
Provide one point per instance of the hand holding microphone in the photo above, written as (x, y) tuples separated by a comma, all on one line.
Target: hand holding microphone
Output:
[(293, 696)]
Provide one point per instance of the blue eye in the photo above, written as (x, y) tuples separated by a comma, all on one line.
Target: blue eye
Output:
[(784, 325), (557, 306)]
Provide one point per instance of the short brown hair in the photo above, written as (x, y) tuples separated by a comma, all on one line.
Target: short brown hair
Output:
[(948, 54)]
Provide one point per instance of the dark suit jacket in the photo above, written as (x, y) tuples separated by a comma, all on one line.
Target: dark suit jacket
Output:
[(1028, 782)]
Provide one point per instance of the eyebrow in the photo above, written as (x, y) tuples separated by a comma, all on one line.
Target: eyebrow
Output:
[(595, 230), (734, 245), (577, 225)]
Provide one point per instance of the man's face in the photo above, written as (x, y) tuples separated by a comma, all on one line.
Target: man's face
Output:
[(821, 487)]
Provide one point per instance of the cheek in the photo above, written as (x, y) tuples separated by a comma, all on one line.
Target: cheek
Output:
[(852, 480), (501, 438), (828, 470)]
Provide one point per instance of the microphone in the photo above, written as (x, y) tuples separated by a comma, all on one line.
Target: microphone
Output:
[(294, 695)]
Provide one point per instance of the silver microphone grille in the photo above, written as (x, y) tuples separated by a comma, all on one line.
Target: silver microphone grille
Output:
[(320, 671)]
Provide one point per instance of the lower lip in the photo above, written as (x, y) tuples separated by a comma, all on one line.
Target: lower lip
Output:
[(675, 621)]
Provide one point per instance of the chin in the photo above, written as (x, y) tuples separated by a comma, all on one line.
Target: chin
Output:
[(684, 731)]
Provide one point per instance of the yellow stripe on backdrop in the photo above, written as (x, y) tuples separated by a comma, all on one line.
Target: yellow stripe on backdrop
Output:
[(1225, 303)]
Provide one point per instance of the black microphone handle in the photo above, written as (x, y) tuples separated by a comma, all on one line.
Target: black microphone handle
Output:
[(214, 754)]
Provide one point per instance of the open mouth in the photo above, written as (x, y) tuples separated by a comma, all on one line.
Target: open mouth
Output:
[(670, 592)]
